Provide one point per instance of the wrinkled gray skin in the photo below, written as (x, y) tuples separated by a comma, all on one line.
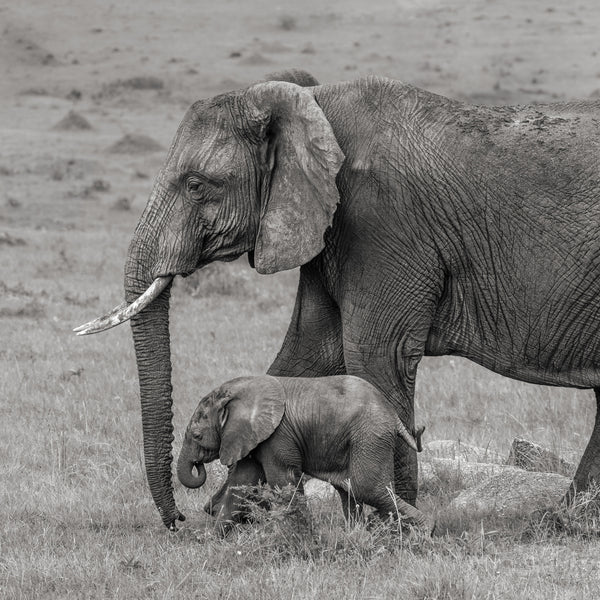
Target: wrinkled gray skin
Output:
[(460, 229), (339, 429)]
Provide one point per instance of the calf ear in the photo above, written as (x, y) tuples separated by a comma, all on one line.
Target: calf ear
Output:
[(300, 164), (254, 408)]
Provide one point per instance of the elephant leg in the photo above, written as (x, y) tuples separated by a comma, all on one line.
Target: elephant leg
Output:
[(370, 487), (229, 503), (397, 383), (352, 509), (589, 466), (385, 328), (278, 474), (313, 344), (388, 505)]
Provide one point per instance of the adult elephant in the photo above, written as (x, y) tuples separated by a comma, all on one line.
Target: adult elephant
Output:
[(422, 226)]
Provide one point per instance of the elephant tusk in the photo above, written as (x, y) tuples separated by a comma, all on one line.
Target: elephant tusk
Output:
[(125, 311), (114, 311)]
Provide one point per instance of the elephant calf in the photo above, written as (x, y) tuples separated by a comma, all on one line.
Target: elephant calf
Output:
[(272, 429)]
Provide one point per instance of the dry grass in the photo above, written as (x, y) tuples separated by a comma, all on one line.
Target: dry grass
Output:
[(76, 516)]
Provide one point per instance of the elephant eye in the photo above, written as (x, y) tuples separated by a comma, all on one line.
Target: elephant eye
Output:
[(194, 184), (196, 433)]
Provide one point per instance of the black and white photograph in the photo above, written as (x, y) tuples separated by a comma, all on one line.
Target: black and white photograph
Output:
[(300, 300)]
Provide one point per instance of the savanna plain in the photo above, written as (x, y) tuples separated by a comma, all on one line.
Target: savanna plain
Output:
[(91, 94)]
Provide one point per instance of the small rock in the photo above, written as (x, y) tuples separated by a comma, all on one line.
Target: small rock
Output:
[(287, 22), (122, 203), (100, 185), (74, 94), (315, 488), (533, 457), (13, 202)]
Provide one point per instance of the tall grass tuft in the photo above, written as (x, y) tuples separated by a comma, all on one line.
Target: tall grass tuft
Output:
[(581, 519)]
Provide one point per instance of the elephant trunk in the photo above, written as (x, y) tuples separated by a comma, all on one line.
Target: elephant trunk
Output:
[(150, 330), (185, 467)]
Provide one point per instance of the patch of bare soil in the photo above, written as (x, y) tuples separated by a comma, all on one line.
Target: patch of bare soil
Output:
[(60, 168), (32, 309), (22, 48)]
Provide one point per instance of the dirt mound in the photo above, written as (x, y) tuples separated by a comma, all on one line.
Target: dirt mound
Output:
[(72, 122), (256, 58), (121, 87), (135, 143)]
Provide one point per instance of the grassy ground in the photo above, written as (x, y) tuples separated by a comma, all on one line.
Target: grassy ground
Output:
[(76, 515)]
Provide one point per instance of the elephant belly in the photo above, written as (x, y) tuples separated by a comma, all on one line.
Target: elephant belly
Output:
[(552, 343)]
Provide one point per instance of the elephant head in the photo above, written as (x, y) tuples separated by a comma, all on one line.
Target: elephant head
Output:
[(229, 423), (249, 171)]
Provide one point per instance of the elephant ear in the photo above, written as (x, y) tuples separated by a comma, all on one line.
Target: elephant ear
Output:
[(253, 409), (300, 164)]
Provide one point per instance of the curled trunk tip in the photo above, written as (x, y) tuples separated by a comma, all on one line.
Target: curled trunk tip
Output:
[(185, 473)]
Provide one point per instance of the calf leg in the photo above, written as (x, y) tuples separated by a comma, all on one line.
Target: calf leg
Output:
[(230, 503), (372, 483), (352, 509)]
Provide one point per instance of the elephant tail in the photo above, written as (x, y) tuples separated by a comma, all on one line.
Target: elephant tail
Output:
[(412, 439)]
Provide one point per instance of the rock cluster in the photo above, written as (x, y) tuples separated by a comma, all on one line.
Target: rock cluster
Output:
[(531, 478)]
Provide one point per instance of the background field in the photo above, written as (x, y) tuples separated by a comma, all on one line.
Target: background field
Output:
[(76, 516)]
